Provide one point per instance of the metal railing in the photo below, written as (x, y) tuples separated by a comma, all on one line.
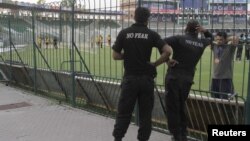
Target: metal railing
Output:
[(65, 52)]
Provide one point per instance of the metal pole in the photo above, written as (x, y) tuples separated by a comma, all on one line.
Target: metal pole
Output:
[(72, 65), (10, 42), (248, 88), (248, 98), (139, 3), (60, 18), (34, 50)]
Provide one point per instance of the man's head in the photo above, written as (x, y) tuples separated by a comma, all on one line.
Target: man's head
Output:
[(141, 15), (221, 38), (191, 27)]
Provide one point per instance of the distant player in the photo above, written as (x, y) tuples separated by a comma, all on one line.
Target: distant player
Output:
[(240, 47), (39, 42), (109, 40), (55, 43), (100, 41), (47, 42), (92, 41)]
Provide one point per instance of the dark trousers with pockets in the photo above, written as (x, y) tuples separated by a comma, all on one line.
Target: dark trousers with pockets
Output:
[(177, 91), (221, 87), (134, 88)]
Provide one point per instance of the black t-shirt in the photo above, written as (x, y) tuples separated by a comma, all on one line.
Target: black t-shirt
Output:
[(137, 42), (187, 50), (55, 41), (241, 41)]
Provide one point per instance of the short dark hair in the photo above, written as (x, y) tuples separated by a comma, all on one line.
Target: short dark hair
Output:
[(141, 14), (191, 26), (222, 34)]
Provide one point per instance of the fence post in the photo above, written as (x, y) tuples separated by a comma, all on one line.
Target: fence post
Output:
[(72, 65), (34, 50), (248, 98), (247, 121), (10, 42), (139, 3), (60, 18)]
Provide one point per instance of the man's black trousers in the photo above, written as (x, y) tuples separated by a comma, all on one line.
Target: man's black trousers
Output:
[(134, 88), (177, 91)]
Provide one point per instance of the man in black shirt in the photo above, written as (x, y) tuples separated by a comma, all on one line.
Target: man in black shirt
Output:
[(187, 51), (55, 43), (247, 47), (240, 47), (134, 45)]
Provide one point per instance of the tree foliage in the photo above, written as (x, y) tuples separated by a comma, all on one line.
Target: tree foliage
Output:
[(67, 3), (41, 1)]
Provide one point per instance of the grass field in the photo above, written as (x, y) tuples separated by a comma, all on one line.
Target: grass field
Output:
[(100, 63)]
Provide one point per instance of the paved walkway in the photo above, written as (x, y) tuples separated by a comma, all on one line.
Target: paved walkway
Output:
[(26, 117)]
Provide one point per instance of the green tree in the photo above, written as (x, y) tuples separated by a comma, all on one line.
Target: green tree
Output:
[(67, 3), (41, 1)]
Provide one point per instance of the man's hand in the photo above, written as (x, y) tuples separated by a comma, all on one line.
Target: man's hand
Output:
[(234, 40), (201, 29), (117, 55), (172, 62), (152, 69), (216, 61)]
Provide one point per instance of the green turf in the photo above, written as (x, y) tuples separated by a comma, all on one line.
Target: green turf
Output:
[(100, 63)]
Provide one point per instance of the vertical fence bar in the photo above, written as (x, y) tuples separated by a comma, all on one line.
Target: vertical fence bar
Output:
[(72, 65), (139, 3), (34, 50), (10, 40), (248, 88), (248, 97)]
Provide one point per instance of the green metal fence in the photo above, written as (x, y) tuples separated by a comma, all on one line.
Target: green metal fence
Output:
[(63, 49)]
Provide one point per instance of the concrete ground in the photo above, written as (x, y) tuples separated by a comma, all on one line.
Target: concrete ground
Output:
[(27, 117)]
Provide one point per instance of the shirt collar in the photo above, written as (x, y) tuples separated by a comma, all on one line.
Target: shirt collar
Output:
[(139, 24), (192, 34)]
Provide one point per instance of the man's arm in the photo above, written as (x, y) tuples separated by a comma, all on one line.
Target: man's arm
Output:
[(117, 55), (118, 47), (233, 40), (203, 30), (165, 54)]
